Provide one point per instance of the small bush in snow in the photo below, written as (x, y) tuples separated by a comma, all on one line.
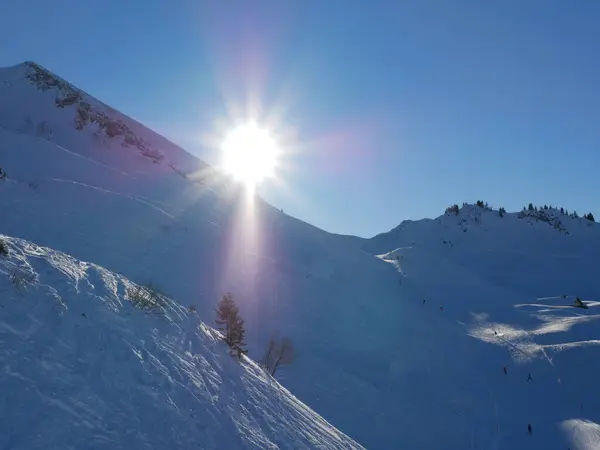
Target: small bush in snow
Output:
[(278, 353), (148, 298), (21, 279), (231, 325), (3, 248)]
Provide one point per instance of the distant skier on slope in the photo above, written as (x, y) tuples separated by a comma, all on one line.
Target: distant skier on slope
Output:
[(529, 428), (529, 377), (505, 371)]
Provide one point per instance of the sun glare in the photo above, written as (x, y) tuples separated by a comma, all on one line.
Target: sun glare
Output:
[(249, 154)]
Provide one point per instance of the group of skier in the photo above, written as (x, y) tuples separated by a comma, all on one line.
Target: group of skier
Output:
[(529, 377)]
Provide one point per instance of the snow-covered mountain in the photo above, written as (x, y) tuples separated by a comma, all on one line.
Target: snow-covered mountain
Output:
[(402, 339), (83, 368)]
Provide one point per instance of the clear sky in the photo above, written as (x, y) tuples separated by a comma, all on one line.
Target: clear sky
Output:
[(387, 110)]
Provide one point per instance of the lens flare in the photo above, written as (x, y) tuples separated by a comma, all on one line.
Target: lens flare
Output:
[(249, 154)]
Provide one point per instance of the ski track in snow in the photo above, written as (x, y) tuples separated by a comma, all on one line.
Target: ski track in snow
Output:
[(132, 197), (93, 161)]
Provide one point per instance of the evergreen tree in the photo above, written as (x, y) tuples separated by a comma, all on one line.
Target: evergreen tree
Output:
[(590, 217), (575, 216), (530, 207), (231, 325), (452, 209), (501, 211), (562, 210)]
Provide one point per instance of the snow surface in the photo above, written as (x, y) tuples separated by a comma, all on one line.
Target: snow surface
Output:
[(401, 339), (83, 368)]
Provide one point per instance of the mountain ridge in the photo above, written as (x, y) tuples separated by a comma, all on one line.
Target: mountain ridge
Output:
[(395, 334), (87, 112)]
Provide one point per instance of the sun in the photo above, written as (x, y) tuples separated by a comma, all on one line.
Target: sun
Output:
[(249, 154)]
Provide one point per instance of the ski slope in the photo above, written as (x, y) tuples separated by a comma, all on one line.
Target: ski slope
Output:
[(509, 282), (375, 361), (83, 368)]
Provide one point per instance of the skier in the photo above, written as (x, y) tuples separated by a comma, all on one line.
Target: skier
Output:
[(529, 378), (529, 428), (495, 332), (441, 308), (423, 301), (505, 371)]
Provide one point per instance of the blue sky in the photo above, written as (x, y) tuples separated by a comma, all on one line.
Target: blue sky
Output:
[(388, 110)]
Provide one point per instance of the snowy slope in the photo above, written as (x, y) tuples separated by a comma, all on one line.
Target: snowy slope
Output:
[(376, 362), (57, 103), (83, 368), (510, 282)]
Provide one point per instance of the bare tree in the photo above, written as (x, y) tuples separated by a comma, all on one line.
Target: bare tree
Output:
[(231, 325), (278, 353)]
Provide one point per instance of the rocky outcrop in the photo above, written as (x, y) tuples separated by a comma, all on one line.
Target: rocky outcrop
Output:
[(85, 113)]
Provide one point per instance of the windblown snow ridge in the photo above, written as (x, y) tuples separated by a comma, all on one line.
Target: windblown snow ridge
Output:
[(83, 368)]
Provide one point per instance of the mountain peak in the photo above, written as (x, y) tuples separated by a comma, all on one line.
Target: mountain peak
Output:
[(45, 79), (79, 113)]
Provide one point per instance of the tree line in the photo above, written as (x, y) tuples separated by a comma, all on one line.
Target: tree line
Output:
[(454, 209)]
